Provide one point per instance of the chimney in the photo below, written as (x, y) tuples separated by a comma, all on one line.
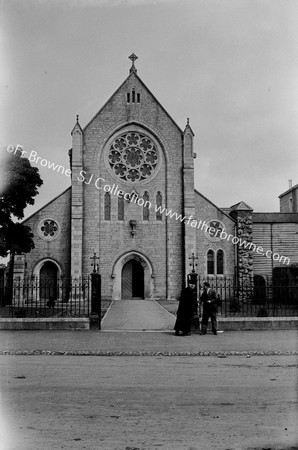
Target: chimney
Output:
[(290, 184)]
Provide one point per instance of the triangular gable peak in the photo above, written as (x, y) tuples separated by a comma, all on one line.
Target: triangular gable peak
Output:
[(44, 206), (241, 206), (215, 206), (188, 128), (76, 127), (129, 81)]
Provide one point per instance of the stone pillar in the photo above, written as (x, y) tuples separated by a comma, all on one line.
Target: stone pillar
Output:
[(189, 197), (76, 201), (242, 214)]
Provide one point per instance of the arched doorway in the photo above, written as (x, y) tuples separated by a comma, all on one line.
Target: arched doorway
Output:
[(132, 280), (260, 289), (48, 281)]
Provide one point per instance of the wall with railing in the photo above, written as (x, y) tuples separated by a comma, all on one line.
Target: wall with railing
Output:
[(35, 298), (273, 297), (257, 297)]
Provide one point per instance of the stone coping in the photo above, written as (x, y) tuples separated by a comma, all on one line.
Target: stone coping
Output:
[(217, 354), (44, 319), (83, 323), (257, 319), (45, 323)]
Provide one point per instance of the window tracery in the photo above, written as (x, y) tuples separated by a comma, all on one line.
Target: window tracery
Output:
[(48, 229), (133, 157)]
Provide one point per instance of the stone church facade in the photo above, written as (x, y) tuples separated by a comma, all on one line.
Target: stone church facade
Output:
[(128, 163)]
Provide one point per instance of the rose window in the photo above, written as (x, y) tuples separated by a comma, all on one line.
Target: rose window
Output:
[(133, 157), (49, 228), (214, 230)]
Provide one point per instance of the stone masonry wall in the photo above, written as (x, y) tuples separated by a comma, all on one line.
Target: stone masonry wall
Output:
[(57, 249), (244, 255), (207, 211), (161, 242)]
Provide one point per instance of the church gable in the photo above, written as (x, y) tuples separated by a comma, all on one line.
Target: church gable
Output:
[(207, 209), (132, 101), (133, 112), (131, 145), (216, 254), (51, 228)]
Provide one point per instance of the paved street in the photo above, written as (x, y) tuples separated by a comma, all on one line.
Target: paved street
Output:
[(280, 341), (241, 395)]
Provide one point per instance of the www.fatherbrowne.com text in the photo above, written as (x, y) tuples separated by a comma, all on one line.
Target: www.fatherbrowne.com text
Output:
[(188, 220), (133, 198)]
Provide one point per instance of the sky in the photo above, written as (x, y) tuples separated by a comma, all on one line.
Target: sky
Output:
[(230, 66)]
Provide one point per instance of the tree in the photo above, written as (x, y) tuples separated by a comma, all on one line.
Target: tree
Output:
[(21, 183)]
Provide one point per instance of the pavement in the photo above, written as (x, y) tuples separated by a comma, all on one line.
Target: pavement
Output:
[(125, 403), (127, 343), (134, 390)]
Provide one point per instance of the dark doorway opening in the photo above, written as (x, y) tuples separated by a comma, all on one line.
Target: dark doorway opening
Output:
[(260, 289), (285, 285), (48, 281), (132, 280)]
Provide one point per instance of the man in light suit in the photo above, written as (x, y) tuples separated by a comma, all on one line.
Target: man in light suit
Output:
[(209, 300)]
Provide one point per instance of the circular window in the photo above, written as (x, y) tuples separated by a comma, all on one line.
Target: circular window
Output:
[(48, 229), (133, 157), (214, 229)]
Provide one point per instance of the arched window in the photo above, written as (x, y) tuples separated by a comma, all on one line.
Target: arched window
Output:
[(146, 206), (220, 262), (107, 206), (121, 208), (260, 289), (210, 262), (158, 205)]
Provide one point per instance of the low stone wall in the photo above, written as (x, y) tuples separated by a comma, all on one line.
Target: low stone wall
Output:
[(224, 323), (257, 323), (49, 323)]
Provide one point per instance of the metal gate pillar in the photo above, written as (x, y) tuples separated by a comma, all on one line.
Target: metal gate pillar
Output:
[(192, 278), (95, 316)]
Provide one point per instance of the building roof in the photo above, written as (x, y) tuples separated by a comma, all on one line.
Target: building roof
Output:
[(213, 204), (289, 190), (44, 206), (241, 206), (275, 217), (133, 74)]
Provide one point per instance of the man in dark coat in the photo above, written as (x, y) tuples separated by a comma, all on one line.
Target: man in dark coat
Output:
[(185, 311), (209, 300)]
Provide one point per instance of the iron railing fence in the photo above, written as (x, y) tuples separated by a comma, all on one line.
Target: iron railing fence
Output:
[(45, 298), (72, 297), (249, 298)]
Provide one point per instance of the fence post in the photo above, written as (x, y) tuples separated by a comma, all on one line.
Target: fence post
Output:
[(192, 278), (95, 316)]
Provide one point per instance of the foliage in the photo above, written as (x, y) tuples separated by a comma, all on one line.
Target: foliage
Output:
[(21, 186)]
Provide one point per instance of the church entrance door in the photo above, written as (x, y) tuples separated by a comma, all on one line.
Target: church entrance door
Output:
[(132, 280), (48, 281)]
